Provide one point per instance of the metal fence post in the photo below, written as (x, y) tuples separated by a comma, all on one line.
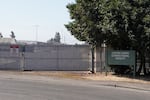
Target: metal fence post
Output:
[(22, 62)]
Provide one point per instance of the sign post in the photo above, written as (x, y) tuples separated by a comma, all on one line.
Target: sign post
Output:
[(121, 57)]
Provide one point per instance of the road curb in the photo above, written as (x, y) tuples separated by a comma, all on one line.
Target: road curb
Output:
[(123, 86)]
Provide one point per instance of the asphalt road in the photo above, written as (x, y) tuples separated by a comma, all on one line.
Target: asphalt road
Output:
[(65, 89)]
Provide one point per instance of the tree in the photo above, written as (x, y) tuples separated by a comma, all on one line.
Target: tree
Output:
[(130, 21), (122, 24), (1, 36), (85, 25), (12, 34), (57, 37), (135, 15), (86, 17)]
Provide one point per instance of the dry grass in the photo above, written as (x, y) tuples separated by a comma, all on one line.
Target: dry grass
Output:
[(111, 77), (59, 74), (77, 75)]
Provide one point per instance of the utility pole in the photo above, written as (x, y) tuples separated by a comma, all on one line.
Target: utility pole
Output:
[(36, 32)]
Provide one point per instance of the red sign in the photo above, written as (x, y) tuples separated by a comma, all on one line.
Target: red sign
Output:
[(14, 46)]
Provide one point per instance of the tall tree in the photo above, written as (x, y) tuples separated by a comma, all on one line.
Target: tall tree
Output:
[(57, 37), (12, 34), (86, 17), (122, 24), (130, 21)]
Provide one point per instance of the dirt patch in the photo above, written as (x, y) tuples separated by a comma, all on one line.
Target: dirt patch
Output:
[(59, 74), (76, 75), (111, 77)]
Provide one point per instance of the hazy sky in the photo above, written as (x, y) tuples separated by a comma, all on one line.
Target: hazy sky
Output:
[(21, 16)]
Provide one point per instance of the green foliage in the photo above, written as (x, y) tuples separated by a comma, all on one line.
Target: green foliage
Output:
[(86, 19), (12, 34), (121, 24), (57, 37)]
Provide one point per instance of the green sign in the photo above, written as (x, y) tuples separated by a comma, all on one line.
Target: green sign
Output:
[(120, 57)]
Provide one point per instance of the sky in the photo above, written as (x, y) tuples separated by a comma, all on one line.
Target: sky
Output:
[(23, 16)]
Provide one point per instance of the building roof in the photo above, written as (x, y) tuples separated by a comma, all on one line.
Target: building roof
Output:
[(25, 42), (8, 41)]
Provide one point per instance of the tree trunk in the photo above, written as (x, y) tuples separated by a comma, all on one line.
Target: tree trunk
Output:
[(144, 67), (93, 65), (149, 61), (140, 68), (142, 63)]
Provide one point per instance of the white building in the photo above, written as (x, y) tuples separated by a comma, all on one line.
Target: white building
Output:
[(8, 41)]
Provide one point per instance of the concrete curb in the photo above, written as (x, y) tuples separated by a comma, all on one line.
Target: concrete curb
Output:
[(129, 87)]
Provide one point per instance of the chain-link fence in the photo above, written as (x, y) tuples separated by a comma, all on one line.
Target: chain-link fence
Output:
[(45, 57)]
